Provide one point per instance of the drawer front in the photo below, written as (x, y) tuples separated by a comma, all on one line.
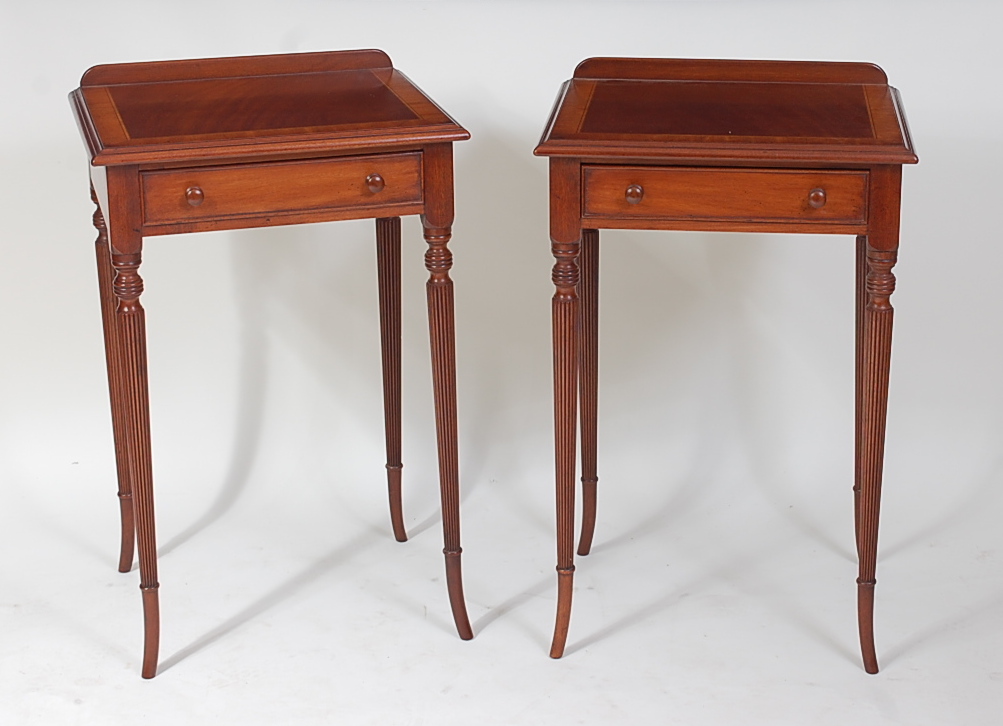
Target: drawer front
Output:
[(725, 195), (255, 190)]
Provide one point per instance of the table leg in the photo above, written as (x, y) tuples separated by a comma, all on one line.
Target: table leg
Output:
[(566, 245), (876, 359), (388, 263), (437, 220), (881, 251), (565, 323), (118, 417), (588, 383), (438, 261), (128, 287), (861, 304)]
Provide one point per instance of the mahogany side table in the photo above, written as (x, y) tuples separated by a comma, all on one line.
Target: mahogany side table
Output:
[(738, 146), (227, 143)]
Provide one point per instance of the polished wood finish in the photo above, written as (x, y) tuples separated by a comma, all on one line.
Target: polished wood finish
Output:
[(341, 185), (109, 303), (860, 302), (687, 195), (301, 105), (588, 379), (565, 235), (758, 71), (763, 113), (226, 143), (875, 358), (754, 146), (437, 223), (375, 183), (388, 266)]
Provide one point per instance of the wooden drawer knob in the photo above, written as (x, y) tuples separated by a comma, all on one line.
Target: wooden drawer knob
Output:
[(635, 193), (816, 198), (375, 183), (194, 195)]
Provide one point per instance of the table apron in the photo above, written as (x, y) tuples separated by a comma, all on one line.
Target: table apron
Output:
[(725, 199), (281, 218), (734, 225), (202, 198)]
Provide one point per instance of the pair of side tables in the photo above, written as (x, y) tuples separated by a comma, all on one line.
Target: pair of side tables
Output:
[(751, 146)]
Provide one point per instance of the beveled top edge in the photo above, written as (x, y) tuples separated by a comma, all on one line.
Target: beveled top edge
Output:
[(234, 67), (697, 69), (287, 147), (773, 155), (894, 144), (462, 133)]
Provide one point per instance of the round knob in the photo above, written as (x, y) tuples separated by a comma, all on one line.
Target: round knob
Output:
[(194, 195), (635, 193), (375, 183), (816, 198)]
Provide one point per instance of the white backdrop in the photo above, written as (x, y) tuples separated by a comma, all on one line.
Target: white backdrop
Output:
[(721, 586)]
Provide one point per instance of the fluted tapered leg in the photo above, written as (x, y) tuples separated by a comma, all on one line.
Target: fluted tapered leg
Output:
[(388, 263), (876, 343), (861, 304), (565, 323), (128, 287), (106, 274), (438, 261), (588, 380)]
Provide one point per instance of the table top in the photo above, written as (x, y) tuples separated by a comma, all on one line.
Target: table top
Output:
[(260, 106), (729, 112)]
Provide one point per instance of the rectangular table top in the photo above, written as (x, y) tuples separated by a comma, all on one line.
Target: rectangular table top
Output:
[(177, 111), (729, 111)]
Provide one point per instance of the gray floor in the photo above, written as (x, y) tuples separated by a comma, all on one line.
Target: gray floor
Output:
[(296, 606)]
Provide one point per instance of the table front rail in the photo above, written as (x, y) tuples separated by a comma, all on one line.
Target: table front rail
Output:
[(291, 192), (724, 199)]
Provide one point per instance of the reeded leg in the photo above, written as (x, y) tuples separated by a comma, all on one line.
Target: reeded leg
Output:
[(565, 244), (879, 250), (875, 358), (388, 263), (861, 303), (128, 287), (118, 416), (565, 323), (588, 382), (438, 261)]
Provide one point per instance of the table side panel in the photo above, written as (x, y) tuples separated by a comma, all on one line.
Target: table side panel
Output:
[(280, 188)]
